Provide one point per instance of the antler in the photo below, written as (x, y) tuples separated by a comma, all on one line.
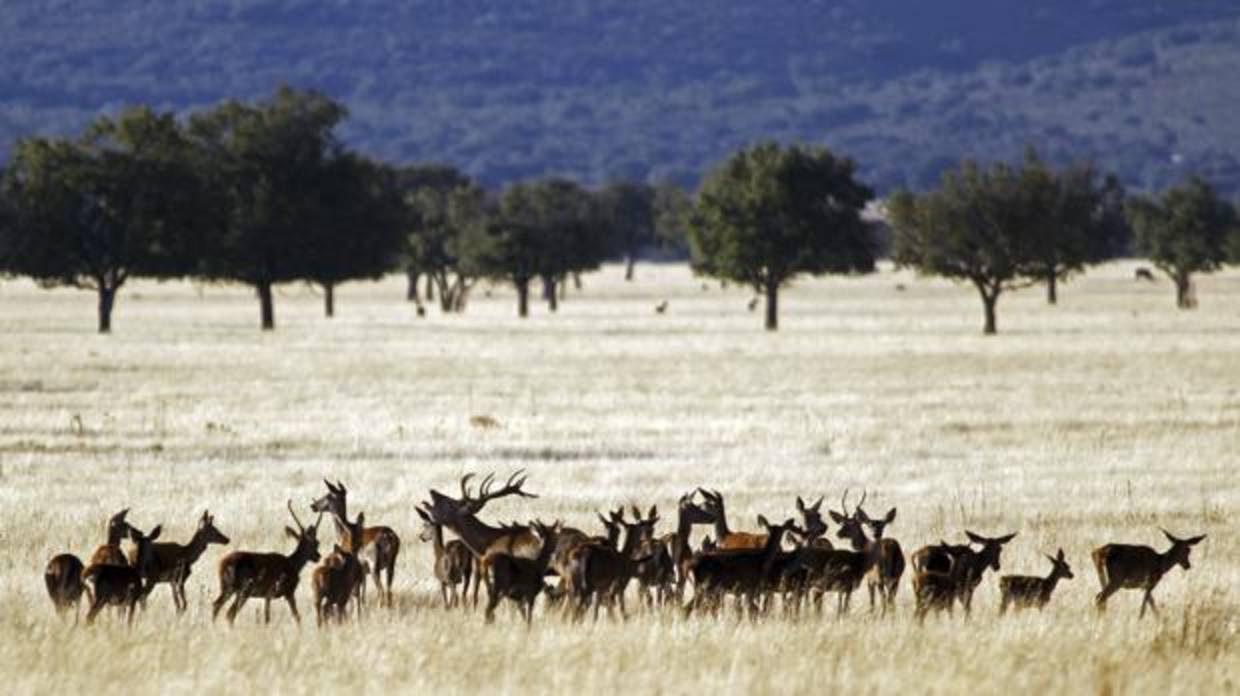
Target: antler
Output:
[(300, 526), (511, 487), (864, 494)]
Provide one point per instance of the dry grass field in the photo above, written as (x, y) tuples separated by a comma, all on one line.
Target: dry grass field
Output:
[(1097, 420)]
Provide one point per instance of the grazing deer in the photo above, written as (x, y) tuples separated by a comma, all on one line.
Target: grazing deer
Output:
[(661, 308), (1025, 591), (110, 553), (958, 569), (454, 564), (63, 578), (121, 585), (887, 562), (335, 581), (724, 537), (246, 574), (172, 563), (1123, 566), (517, 578), (1143, 273), (376, 547), (743, 572)]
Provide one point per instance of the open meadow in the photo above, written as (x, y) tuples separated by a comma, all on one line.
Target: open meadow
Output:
[(1095, 421)]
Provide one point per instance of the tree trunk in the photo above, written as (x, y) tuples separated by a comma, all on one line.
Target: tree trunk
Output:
[(267, 306), (430, 288), (1184, 292), (411, 291), (1052, 295), (107, 299), (523, 297), (563, 286), (989, 300), (329, 299), (576, 280), (551, 294), (772, 306), (628, 267)]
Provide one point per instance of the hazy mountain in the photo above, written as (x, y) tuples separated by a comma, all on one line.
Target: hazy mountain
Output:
[(513, 88)]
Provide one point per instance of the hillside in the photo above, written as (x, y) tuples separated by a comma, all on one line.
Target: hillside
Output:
[(646, 88)]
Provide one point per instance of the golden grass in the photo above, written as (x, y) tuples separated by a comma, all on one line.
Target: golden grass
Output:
[(1094, 421)]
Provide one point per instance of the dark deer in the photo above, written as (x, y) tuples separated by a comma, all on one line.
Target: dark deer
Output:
[(726, 538), (63, 578), (376, 547), (1026, 591), (958, 569), (172, 562), (656, 573), (1123, 566), (110, 553), (517, 578), (599, 574), (246, 574), (1143, 273), (886, 566), (335, 581), (454, 564), (742, 572), (688, 514), (121, 585)]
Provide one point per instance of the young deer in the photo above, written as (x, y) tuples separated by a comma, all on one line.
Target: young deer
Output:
[(110, 553), (959, 568), (656, 573), (813, 524), (335, 582), (726, 538), (376, 547), (519, 579), (1025, 591), (246, 574), (63, 578), (454, 564), (887, 562), (1122, 566), (172, 563), (599, 574), (121, 585), (742, 572)]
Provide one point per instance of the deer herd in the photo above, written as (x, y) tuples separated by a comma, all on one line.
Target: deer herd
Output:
[(794, 562)]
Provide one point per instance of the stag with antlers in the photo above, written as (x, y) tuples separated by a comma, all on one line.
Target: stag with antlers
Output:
[(886, 565)]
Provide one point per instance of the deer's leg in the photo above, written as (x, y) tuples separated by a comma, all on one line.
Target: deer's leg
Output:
[(238, 601), (1101, 600), (492, 600), (292, 606), (219, 603), (443, 592), (391, 571)]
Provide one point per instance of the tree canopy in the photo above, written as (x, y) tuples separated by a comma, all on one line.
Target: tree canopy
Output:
[(770, 213)]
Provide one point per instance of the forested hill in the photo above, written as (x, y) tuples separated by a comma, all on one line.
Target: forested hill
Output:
[(652, 88)]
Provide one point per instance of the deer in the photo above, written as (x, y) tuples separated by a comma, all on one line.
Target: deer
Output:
[(518, 578), (376, 547), (335, 582), (454, 564), (172, 563), (121, 585), (886, 566), (110, 553), (688, 514), (961, 567), (656, 572), (1143, 273), (63, 578), (1124, 566), (246, 574), (1026, 591), (661, 308), (743, 572), (724, 537), (598, 573)]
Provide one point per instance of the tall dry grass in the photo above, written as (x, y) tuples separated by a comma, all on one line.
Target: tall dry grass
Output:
[(1097, 420)]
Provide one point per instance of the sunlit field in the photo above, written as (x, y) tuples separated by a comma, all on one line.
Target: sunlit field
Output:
[(1095, 421)]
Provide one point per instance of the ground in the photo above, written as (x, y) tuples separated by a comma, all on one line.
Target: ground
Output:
[(1095, 421)]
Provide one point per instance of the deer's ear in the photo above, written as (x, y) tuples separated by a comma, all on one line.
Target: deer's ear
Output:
[(422, 513), (800, 504), (975, 538), (654, 512), (891, 516), (762, 521), (1006, 539), (1061, 554), (839, 519), (1195, 540), (815, 507), (292, 533), (155, 532)]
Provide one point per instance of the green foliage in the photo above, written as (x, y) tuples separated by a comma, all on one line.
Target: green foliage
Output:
[(626, 210), (770, 213), (448, 216), (1185, 231)]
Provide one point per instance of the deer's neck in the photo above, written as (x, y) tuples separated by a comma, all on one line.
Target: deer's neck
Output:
[(680, 542), (476, 534), (721, 525), (545, 553), (1165, 563), (298, 559), (437, 539), (115, 536), (197, 545)]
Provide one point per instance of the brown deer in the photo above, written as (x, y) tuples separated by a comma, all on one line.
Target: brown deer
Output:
[(63, 578), (599, 574), (335, 581), (121, 585), (886, 566), (963, 566), (172, 563), (656, 572), (688, 514), (1026, 591), (827, 570), (110, 553), (725, 538), (246, 574), (517, 578), (376, 547), (1123, 566), (742, 572), (454, 564)]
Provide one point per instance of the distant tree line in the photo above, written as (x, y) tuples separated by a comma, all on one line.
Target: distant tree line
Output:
[(265, 193)]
